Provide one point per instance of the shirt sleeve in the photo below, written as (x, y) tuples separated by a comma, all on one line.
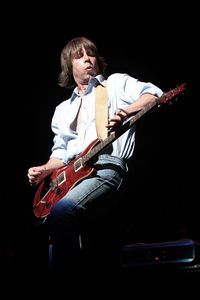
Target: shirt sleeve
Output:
[(59, 148), (127, 89)]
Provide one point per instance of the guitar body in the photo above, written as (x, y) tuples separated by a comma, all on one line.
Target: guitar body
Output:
[(59, 182)]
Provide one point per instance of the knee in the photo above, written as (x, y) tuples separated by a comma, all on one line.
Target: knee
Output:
[(61, 210)]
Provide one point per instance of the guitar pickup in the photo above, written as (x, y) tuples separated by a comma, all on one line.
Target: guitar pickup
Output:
[(78, 164)]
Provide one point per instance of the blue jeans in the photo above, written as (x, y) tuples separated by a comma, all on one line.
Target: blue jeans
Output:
[(87, 204)]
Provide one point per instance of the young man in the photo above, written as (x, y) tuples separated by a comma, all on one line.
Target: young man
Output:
[(92, 200)]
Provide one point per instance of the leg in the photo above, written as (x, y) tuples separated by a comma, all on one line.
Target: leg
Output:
[(88, 202)]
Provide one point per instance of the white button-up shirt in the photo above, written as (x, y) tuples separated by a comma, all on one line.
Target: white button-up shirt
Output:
[(122, 90)]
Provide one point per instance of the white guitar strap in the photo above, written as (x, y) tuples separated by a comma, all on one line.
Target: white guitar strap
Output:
[(101, 111)]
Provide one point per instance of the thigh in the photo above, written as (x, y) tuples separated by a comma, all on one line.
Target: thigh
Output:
[(96, 194), (104, 183)]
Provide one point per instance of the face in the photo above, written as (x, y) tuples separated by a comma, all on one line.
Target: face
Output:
[(84, 67)]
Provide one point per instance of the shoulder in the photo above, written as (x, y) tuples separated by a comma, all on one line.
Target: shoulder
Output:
[(121, 82), (63, 104), (119, 78)]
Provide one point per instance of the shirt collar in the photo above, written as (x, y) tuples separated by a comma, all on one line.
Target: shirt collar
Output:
[(93, 82)]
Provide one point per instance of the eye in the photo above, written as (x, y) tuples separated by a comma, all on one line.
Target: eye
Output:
[(90, 53), (78, 54)]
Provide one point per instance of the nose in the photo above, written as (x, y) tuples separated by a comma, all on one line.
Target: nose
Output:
[(86, 58)]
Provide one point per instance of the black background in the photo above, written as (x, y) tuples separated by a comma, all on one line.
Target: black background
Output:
[(153, 44)]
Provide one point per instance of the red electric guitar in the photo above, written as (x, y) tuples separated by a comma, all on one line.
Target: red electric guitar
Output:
[(63, 179)]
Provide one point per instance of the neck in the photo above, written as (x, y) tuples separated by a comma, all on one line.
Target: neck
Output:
[(81, 89)]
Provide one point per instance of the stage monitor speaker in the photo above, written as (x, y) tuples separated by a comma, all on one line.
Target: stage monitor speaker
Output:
[(183, 253)]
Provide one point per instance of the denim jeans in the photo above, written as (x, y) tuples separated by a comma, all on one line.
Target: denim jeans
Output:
[(88, 203)]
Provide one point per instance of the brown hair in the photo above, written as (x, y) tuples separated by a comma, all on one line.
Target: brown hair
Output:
[(73, 49)]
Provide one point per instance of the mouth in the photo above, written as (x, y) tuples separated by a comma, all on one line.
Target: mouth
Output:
[(89, 68)]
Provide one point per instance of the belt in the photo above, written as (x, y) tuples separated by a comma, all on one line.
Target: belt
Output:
[(111, 162)]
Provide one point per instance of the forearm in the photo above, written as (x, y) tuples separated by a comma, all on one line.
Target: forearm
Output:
[(38, 173), (53, 163), (141, 103), (122, 114)]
